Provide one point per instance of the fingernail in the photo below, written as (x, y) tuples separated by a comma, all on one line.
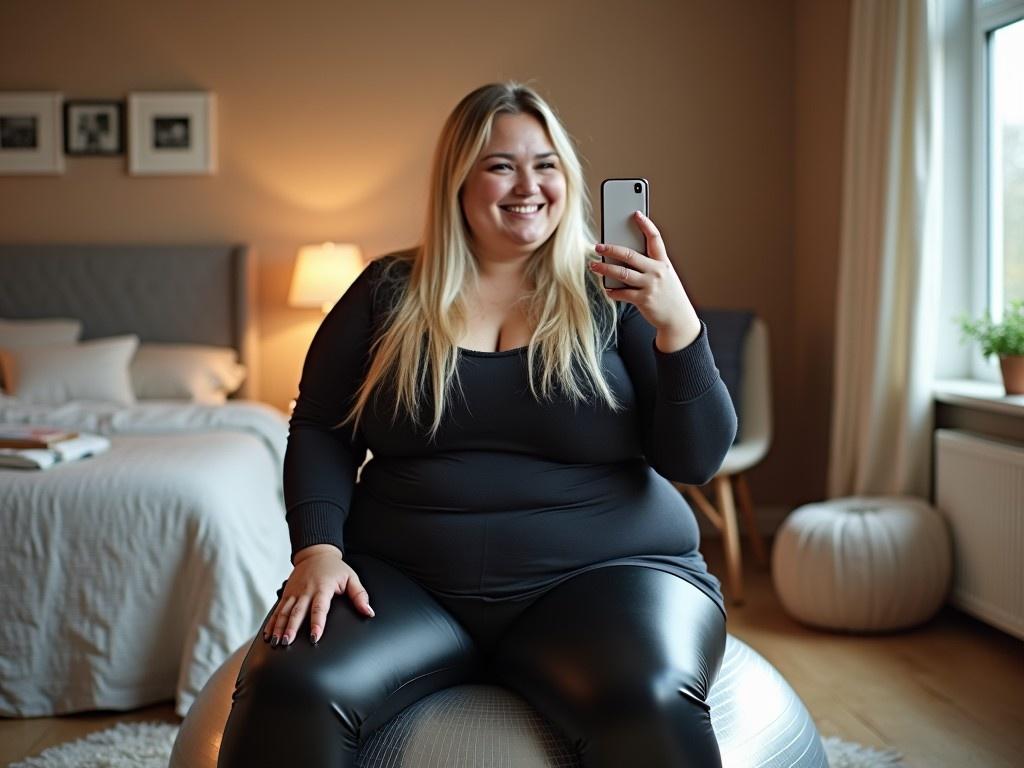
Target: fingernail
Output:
[(285, 640), (274, 640), (372, 614), (599, 247), (312, 638)]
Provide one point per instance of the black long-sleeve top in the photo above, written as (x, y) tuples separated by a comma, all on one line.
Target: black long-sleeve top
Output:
[(513, 495)]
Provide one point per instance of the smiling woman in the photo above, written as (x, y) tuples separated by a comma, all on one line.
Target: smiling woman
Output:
[(489, 278), (514, 196), (485, 534), (513, 200)]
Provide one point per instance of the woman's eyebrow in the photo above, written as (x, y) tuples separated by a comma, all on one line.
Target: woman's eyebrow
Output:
[(510, 156)]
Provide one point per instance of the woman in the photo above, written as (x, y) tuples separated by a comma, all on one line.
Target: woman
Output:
[(514, 524)]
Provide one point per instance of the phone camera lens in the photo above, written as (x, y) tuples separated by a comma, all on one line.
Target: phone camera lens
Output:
[(637, 188)]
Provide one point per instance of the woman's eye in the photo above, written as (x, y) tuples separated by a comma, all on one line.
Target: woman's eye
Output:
[(499, 166), (547, 165)]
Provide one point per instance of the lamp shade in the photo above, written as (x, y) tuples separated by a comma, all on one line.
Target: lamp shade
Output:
[(323, 273)]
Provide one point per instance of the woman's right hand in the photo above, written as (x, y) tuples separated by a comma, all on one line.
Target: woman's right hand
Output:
[(319, 574)]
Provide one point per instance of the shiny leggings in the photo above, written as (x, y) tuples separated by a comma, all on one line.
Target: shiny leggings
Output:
[(620, 659)]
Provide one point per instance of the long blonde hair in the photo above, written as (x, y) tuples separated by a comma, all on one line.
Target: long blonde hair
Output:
[(572, 316)]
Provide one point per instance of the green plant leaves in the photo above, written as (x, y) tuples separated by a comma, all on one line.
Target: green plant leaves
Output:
[(1005, 338)]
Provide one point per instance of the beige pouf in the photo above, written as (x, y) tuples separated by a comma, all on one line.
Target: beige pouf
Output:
[(863, 563)]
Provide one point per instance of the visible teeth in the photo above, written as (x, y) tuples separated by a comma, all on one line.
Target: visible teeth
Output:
[(522, 208)]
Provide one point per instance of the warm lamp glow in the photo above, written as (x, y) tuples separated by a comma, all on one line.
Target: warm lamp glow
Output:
[(323, 273)]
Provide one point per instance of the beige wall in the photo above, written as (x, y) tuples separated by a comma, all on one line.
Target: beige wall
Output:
[(822, 31), (329, 111)]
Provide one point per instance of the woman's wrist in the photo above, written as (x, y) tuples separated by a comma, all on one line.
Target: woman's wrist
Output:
[(313, 550), (675, 338)]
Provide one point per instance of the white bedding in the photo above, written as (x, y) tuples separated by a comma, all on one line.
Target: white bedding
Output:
[(128, 577)]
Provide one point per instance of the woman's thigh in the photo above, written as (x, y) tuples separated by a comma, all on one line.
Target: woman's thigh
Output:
[(622, 659), (314, 705)]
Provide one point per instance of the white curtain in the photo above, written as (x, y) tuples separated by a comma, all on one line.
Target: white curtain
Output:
[(887, 311)]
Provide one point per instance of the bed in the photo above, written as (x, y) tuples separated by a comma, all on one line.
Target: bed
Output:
[(128, 577)]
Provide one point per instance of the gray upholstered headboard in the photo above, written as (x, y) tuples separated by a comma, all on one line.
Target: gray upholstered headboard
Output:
[(199, 294)]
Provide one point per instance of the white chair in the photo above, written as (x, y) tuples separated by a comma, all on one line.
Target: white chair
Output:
[(754, 440)]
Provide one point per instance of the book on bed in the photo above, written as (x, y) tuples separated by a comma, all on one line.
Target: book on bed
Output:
[(63, 451), (29, 436)]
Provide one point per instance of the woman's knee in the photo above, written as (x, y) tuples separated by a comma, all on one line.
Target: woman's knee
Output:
[(282, 674), (623, 660), (654, 719), (658, 725), (324, 699), (282, 714)]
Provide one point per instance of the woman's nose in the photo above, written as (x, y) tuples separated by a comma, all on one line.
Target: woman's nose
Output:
[(526, 182)]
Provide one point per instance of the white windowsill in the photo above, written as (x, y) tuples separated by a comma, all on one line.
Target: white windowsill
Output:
[(983, 395)]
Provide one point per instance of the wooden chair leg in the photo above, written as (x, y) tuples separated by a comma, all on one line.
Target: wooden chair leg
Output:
[(747, 508), (730, 537), (693, 493)]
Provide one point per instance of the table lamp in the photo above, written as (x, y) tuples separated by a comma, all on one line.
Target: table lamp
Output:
[(323, 273)]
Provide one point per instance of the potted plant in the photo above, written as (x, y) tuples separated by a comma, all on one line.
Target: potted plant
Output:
[(1005, 339)]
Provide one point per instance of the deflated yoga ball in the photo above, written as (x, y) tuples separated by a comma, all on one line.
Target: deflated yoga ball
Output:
[(758, 719)]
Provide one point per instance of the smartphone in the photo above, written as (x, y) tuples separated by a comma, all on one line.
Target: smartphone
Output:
[(620, 198)]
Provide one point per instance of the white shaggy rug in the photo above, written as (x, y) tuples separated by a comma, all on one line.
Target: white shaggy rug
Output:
[(148, 745), (126, 745), (849, 754)]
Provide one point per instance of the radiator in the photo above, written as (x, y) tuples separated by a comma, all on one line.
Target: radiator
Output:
[(979, 486)]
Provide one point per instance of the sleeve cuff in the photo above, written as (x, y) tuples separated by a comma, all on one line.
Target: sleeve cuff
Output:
[(316, 522), (688, 373)]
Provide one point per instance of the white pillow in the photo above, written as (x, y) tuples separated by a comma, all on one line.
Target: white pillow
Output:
[(54, 374), (196, 372), (31, 333)]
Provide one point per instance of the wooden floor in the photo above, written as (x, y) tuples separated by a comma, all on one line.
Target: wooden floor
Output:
[(949, 694)]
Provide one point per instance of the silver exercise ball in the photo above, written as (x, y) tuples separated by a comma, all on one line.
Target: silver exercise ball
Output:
[(759, 720)]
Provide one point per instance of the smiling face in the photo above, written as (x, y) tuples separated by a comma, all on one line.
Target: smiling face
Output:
[(514, 196)]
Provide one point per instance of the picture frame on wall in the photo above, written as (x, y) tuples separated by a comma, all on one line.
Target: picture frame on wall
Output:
[(172, 133), (93, 127), (30, 133)]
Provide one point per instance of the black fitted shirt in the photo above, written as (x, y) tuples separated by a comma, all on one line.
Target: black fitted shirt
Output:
[(514, 494)]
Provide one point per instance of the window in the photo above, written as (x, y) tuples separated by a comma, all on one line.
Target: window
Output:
[(1006, 164), (999, 160)]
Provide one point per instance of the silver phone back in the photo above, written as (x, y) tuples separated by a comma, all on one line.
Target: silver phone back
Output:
[(619, 200)]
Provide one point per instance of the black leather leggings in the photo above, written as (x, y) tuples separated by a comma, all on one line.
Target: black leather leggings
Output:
[(620, 658)]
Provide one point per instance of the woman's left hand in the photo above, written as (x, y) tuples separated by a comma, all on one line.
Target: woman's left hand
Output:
[(652, 286)]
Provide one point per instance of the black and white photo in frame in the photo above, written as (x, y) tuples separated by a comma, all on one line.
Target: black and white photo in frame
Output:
[(93, 127), (172, 133), (30, 133)]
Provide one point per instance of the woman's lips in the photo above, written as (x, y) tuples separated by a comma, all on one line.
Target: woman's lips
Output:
[(523, 211)]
